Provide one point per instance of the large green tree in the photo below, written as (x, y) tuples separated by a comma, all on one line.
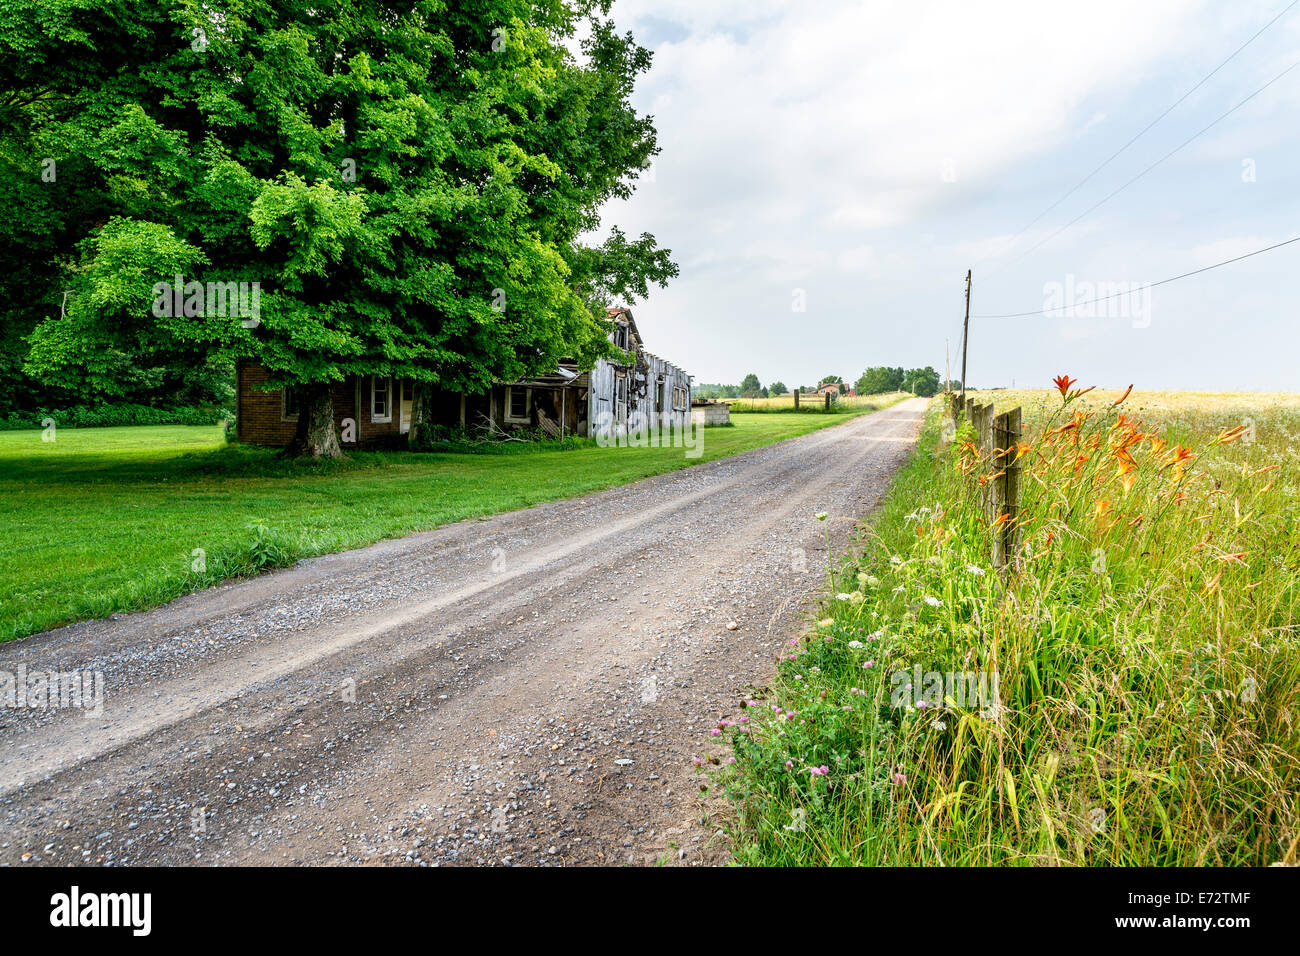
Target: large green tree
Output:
[(406, 182), (921, 381), (879, 379)]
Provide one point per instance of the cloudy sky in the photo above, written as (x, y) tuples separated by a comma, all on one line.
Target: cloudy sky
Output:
[(857, 158)]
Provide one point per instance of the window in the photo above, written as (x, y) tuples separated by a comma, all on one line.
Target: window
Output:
[(381, 409), (516, 404), (290, 402), (679, 397), (659, 396), (408, 391), (620, 394)]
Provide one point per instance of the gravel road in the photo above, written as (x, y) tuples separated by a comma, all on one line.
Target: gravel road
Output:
[(523, 689)]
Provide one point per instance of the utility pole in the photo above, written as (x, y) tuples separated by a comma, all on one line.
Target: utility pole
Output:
[(947, 370), (965, 334)]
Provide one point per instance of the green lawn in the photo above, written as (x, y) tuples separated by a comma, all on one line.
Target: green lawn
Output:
[(107, 519)]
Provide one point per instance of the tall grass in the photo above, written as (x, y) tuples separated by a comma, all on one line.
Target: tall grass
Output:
[(1144, 647)]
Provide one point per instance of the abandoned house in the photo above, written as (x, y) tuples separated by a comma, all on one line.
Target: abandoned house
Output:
[(648, 392)]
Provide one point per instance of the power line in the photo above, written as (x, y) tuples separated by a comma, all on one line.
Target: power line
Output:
[(1166, 156), (1151, 285), (1144, 130)]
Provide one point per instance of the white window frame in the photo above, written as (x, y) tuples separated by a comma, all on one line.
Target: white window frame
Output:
[(388, 399), (528, 403)]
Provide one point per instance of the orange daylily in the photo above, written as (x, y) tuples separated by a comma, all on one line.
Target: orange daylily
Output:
[(1122, 397), (1232, 434), (1063, 383)]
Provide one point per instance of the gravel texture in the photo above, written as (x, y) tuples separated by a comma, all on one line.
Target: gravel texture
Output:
[(526, 689)]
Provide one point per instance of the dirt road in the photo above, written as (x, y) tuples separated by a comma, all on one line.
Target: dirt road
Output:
[(524, 689)]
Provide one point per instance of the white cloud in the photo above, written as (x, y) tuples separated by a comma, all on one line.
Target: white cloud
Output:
[(847, 147)]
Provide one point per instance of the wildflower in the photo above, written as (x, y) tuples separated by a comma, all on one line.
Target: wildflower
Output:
[(1230, 435), (868, 665), (821, 771), (789, 765), (855, 645), (1063, 383), (975, 570), (900, 779), (825, 622), (921, 704), (933, 601), (696, 761), (1120, 400), (842, 596), (939, 725), (820, 516), (715, 732)]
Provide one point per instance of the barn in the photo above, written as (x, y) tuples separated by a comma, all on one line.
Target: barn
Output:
[(604, 401)]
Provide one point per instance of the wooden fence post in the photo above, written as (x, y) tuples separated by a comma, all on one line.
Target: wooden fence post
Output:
[(796, 399), (1006, 487), (828, 401)]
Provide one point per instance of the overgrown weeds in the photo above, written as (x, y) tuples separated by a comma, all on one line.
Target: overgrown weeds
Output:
[(1126, 695)]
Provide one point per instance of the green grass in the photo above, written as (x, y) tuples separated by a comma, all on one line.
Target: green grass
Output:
[(108, 519), (1147, 647)]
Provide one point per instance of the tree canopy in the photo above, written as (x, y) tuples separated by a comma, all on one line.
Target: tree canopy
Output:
[(406, 184)]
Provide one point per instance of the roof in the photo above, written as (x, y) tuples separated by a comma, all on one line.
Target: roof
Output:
[(615, 311)]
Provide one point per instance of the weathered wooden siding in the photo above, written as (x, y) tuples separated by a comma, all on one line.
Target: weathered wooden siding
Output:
[(643, 406)]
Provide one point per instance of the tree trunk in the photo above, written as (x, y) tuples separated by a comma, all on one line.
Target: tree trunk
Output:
[(315, 436), (421, 403)]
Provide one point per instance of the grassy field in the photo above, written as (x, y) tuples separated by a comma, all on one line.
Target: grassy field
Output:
[(1126, 696), (108, 519), (814, 404)]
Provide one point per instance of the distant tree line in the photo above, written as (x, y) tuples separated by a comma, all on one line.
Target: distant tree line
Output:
[(874, 381)]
